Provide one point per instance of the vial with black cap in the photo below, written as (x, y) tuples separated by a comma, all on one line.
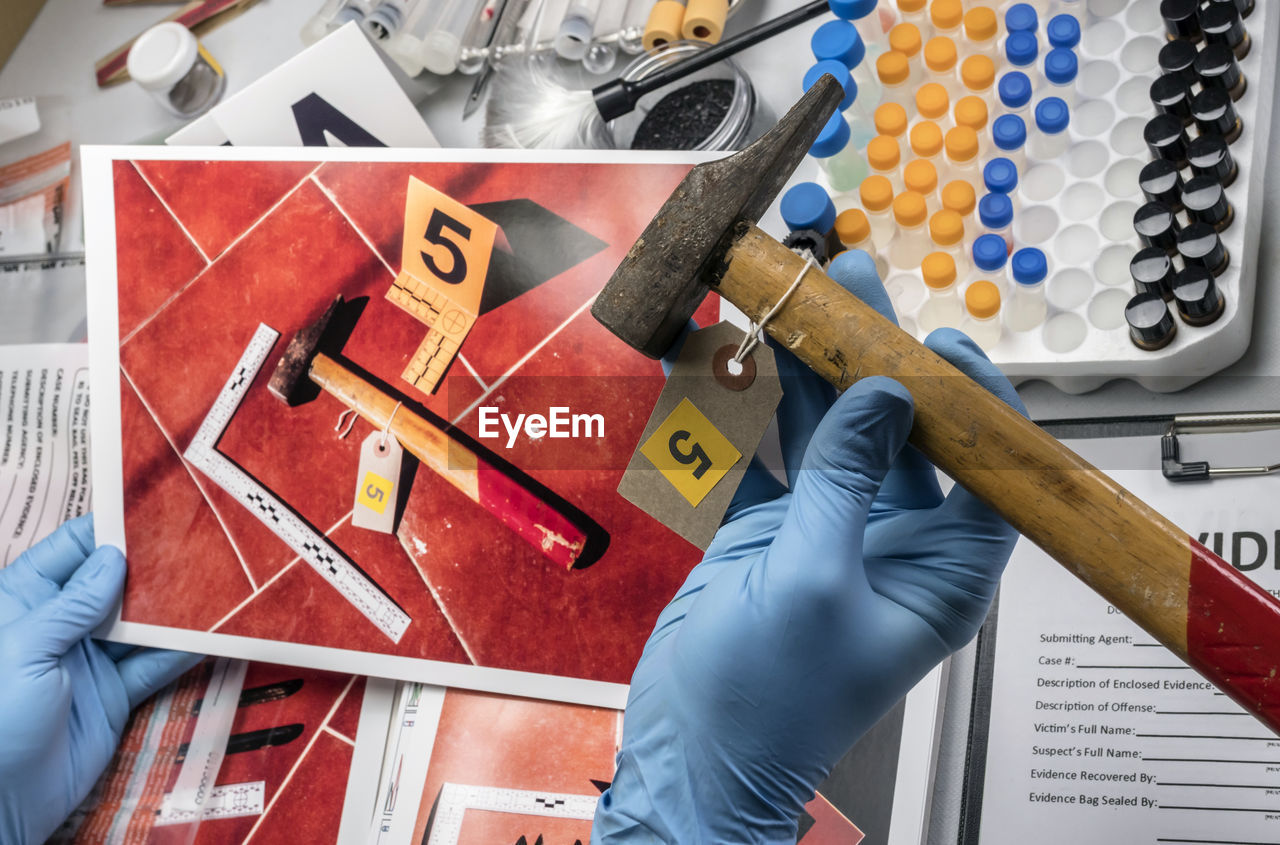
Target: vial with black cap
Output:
[(1167, 139), (1221, 24), (1157, 226), (1197, 297), (1209, 156), (1161, 181), (1217, 68), (1151, 326), (1215, 114), (1171, 94), (1152, 272), (1181, 18), (1200, 246), (1206, 202), (1244, 7)]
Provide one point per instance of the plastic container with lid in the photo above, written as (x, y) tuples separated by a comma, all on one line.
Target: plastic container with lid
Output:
[(940, 62), (921, 177), (982, 33), (876, 195), (1221, 24), (1063, 31), (946, 231), (916, 13), (1009, 136), (961, 144), (851, 104), (1151, 326), (990, 256), (947, 16), (885, 157), (933, 102), (1000, 175), (890, 119), (806, 205), (982, 312), (839, 160), (854, 231), (1215, 115), (1060, 70), (972, 112), (926, 142), (893, 70), (1014, 90), (943, 308), (959, 196), (1021, 50), (1171, 94), (905, 38), (1216, 67), (1197, 297), (1021, 17), (1152, 271), (175, 68), (978, 78), (1210, 156), (995, 213), (838, 40), (1027, 307), (911, 243), (1051, 138)]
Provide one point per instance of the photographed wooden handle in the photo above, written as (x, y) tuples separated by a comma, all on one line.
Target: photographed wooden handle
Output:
[(1202, 609), (525, 513)]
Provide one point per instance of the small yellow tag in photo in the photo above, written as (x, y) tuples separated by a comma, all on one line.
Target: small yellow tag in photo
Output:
[(690, 452)]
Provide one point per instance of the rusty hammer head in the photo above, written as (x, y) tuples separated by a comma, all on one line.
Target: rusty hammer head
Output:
[(289, 382), (668, 271)]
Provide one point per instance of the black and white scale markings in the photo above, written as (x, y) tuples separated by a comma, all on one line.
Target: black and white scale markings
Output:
[(457, 798), (312, 547), (229, 801)]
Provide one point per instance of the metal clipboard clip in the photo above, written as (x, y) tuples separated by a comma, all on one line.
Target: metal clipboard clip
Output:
[(1175, 469)]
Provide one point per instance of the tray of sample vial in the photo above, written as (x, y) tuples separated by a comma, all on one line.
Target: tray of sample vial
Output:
[(1127, 192)]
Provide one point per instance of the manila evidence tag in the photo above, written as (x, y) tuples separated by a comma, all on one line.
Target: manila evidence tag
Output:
[(705, 427), (377, 482)]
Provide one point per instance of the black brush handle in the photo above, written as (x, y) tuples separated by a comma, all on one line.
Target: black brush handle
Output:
[(616, 98)]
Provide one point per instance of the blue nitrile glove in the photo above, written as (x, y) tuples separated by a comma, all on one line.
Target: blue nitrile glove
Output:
[(64, 698), (813, 612)]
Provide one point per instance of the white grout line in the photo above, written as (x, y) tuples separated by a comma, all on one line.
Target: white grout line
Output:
[(273, 578), (164, 305), (172, 213), (253, 585), (348, 740), (296, 763), (352, 223), (518, 364), (484, 387)]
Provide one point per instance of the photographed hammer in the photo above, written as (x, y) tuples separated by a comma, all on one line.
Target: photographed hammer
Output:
[(520, 509), (705, 238)]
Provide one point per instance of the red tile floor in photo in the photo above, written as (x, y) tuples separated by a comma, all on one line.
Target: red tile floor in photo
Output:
[(208, 250)]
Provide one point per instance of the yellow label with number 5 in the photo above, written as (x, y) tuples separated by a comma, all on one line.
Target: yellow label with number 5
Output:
[(690, 452), (375, 492), (446, 245)]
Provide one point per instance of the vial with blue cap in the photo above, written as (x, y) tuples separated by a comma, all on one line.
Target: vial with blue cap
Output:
[(844, 167), (1060, 70), (1021, 17), (1001, 177), (995, 213), (1009, 137), (838, 40), (1027, 307), (1014, 89), (807, 205), (1050, 139), (1021, 50), (1063, 31), (990, 256), (860, 123), (1074, 8)]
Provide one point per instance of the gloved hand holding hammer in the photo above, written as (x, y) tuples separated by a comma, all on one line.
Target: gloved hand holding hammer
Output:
[(816, 608)]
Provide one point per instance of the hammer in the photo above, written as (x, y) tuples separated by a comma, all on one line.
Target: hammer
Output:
[(705, 238), (532, 518)]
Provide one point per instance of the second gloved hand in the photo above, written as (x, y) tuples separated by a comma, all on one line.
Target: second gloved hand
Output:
[(817, 607)]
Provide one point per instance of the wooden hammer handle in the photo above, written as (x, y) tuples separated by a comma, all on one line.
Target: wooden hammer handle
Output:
[(1182, 594), (522, 511)]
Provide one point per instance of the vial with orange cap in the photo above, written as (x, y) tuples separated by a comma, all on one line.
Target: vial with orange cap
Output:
[(960, 197), (933, 103), (978, 79), (915, 13), (876, 195), (890, 119), (885, 157), (854, 231), (962, 153), (982, 314), (982, 33), (972, 112), (922, 177), (893, 70), (926, 142), (946, 17), (946, 231), (942, 309), (905, 39), (911, 242), (940, 61)]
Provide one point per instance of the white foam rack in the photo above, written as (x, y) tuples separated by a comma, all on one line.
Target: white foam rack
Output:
[(1079, 210)]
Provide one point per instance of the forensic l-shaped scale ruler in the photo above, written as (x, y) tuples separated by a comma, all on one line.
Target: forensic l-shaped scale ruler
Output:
[(456, 798), (311, 546)]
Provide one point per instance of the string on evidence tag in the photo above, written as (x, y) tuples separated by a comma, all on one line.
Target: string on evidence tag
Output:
[(378, 479), (754, 333)]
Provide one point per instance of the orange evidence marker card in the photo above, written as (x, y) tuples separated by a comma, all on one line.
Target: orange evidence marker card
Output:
[(443, 265)]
